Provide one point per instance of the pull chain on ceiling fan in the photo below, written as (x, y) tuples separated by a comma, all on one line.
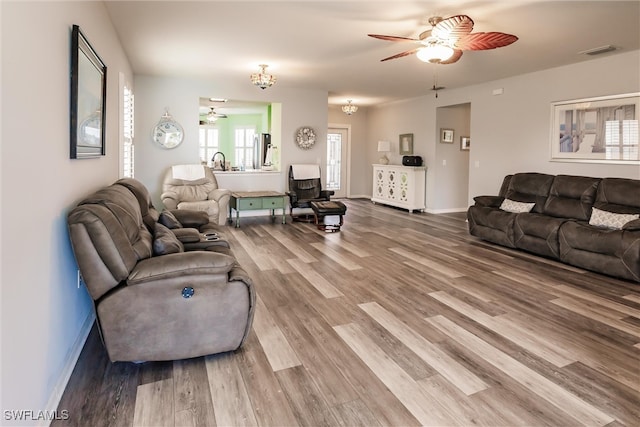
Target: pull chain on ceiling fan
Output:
[(435, 87), (445, 41)]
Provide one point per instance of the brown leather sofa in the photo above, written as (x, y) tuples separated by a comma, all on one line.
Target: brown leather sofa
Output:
[(562, 223), (154, 300)]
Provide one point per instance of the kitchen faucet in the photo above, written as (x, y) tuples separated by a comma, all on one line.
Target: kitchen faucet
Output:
[(223, 164)]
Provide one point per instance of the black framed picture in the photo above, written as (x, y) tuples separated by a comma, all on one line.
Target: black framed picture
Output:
[(88, 98)]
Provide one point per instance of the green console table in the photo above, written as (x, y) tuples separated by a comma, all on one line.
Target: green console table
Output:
[(257, 200)]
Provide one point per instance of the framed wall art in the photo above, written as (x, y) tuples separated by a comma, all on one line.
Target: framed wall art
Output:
[(596, 130), (446, 136), (465, 143), (88, 98), (405, 144)]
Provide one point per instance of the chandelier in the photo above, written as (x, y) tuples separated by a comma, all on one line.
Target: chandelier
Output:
[(434, 52), (262, 79), (349, 109)]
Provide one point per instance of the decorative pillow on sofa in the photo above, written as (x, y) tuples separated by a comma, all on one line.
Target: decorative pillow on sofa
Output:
[(616, 221), (516, 207), (169, 220), (165, 242)]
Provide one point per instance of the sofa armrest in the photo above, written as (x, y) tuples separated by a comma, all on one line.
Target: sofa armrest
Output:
[(293, 197), (187, 235), (488, 201), (180, 265), (170, 200), (191, 218), (218, 194), (632, 225)]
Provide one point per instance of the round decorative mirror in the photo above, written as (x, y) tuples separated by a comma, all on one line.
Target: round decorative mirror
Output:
[(168, 133)]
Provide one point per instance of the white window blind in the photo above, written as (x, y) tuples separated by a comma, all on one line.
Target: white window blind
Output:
[(128, 149)]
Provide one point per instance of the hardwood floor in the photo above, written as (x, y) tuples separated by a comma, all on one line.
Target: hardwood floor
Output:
[(398, 320)]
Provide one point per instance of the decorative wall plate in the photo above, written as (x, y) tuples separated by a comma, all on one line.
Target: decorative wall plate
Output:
[(305, 137), (168, 133)]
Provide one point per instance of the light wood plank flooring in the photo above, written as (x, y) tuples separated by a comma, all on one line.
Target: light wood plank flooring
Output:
[(398, 320)]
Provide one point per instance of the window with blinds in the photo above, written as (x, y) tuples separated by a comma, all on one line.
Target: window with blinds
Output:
[(128, 150), (244, 146), (209, 142)]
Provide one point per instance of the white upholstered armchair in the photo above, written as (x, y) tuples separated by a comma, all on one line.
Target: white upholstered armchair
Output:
[(195, 187)]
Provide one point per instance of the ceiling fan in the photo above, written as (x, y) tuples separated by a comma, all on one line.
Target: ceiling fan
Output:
[(212, 116), (448, 37)]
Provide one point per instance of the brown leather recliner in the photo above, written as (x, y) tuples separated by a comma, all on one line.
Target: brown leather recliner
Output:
[(305, 186), (195, 187), (156, 306)]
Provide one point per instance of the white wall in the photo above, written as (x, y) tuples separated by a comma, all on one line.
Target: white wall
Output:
[(180, 95), (44, 315), (510, 132)]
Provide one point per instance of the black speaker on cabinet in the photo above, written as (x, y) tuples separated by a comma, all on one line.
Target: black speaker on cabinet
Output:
[(411, 161)]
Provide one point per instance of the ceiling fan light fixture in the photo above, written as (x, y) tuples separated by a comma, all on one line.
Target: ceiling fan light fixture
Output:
[(211, 116), (435, 53), (349, 109), (262, 79)]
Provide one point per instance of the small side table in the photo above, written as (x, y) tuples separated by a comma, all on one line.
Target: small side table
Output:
[(257, 200)]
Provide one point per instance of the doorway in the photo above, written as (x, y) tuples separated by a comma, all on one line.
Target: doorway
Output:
[(337, 160)]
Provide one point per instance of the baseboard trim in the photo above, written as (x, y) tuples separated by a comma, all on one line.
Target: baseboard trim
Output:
[(441, 211), (65, 375)]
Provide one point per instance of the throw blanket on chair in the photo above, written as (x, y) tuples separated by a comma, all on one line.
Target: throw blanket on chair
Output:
[(305, 171), (188, 172)]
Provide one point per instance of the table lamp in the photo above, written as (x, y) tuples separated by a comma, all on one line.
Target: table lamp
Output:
[(384, 147)]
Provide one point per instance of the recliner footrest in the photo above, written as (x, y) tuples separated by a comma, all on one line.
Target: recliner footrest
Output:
[(328, 210)]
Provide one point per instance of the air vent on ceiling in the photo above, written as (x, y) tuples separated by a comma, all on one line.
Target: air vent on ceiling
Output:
[(598, 50)]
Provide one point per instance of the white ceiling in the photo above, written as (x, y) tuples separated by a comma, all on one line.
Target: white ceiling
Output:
[(324, 44)]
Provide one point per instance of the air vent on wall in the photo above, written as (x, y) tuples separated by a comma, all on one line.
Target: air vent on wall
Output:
[(598, 50)]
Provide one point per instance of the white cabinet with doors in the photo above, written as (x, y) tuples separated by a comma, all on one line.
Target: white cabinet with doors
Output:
[(400, 186)]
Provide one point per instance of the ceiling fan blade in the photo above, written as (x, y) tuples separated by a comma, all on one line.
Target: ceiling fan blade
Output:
[(484, 41), (457, 54), (450, 29), (400, 55), (393, 38)]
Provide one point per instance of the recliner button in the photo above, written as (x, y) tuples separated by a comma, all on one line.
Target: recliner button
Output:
[(187, 292)]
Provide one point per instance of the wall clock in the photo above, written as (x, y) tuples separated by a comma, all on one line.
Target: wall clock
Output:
[(305, 138), (168, 133)]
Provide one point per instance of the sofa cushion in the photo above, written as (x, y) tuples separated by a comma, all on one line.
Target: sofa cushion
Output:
[(537, 233), (571, 197), (509, 205), (612, 252), (618, 195), (211, 207), (606, 219), (530, 187), (165, 242)]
